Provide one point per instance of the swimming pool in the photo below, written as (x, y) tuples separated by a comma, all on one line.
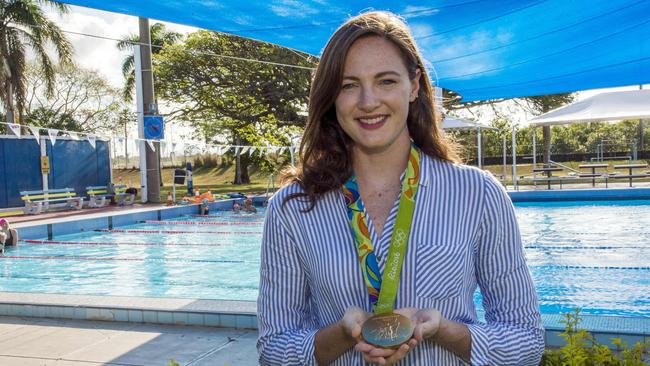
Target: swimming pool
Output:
[(594, 255)]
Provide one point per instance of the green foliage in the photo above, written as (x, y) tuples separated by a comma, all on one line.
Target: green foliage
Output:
[(159, 37), (231, 100), (173, 363), (23, 26), (574, 138), (581, 349)]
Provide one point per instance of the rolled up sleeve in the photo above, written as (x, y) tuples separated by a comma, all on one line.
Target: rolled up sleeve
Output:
[(513, 333), (286, 330)]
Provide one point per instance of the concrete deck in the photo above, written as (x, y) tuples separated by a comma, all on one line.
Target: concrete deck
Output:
[(35, 341)]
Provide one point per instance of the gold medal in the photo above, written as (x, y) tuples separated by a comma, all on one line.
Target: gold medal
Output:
[(387, 330)]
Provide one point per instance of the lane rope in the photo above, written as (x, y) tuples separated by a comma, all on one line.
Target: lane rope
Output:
[(160, 222), (153, 259), (58, 242), (585, 247), (175, 231)]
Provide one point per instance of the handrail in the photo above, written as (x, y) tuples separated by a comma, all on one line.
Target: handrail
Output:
[(563, 166)]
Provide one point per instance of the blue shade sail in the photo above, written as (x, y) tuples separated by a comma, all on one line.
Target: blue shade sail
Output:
[(480, 49)]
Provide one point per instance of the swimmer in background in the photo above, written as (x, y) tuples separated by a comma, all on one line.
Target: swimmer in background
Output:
[(248, 206), (205, 207), (8, 236), (236, 207)]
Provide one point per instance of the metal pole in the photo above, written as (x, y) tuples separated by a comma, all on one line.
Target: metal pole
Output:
[(478, 142), (534, 147), (514, 157), (505, 151)]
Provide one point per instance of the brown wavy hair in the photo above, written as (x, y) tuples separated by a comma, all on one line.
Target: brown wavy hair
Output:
[(325, 150)]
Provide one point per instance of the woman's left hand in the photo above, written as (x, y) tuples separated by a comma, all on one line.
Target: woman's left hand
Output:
[(426, 322)]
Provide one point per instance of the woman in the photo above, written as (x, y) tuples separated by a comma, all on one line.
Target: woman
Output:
[(8, 236), (371, 146)]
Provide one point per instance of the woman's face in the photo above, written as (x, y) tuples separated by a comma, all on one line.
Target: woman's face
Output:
[(373, 103)]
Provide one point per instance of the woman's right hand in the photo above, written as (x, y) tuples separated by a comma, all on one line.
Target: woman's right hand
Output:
[(352, 321)]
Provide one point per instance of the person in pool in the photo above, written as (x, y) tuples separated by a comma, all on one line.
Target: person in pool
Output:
[(248, 206), (8, 235), (380, 234)]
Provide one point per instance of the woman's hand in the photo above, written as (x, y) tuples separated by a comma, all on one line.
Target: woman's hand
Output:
[(352, 321), (426, 321), (384, 356)]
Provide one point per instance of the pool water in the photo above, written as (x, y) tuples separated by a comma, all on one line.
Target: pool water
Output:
[(593, 255)]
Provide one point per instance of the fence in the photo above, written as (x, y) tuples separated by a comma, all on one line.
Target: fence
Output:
[(73, 163)]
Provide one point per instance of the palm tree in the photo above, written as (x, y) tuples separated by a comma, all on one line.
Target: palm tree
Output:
[(160, 37), (23, 25)]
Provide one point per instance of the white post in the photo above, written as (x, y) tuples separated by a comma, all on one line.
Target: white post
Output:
[(44, 153), (505, 151), (478, 142), (140, 112), (110, 157), (514, 157), (534, 147)]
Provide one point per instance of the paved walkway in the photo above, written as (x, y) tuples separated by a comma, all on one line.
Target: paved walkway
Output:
[(37, 342)]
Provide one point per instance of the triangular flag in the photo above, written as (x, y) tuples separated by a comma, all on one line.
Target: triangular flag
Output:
[(34, 131), (244, 149), (251, 151), (52, 132), (73, 135), (237, 148), (15, 128), (151, 145), (92, 139), (282, 149)]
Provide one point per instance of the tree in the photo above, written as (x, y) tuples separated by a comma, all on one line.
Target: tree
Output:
[(225, 96), (78, 95), (23, 25), (160, 37)]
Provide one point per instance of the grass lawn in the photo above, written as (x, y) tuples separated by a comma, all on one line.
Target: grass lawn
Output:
[(219, 180)]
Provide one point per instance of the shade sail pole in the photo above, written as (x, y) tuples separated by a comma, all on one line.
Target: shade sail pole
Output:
[(534, 147), (504, 153), (478, 142), (514, 157)]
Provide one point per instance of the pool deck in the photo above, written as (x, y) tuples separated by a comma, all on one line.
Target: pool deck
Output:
[(39, 341)]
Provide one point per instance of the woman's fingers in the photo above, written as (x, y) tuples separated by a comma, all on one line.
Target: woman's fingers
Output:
[(398, 355)]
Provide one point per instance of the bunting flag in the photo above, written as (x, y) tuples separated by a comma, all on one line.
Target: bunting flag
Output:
[(261, 151), (251, 151), (14, 128), (34, 131), (244, 149), (151, 145), (73, 135), (237, 148), (92, 139), (52, 132), (282, 149)]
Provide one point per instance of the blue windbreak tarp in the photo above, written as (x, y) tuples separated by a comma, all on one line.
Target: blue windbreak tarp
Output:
[(479, 49)]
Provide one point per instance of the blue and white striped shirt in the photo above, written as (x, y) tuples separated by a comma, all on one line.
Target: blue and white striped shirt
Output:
[(464, 234)]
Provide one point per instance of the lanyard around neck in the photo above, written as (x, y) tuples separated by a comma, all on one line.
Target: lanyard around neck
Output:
[(383, 292)]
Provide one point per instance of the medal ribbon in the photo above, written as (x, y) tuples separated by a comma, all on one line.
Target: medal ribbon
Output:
[(383, 293)]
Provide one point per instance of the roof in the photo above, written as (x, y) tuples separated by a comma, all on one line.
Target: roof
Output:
[(479, 49), (611, 106), (451, 123)]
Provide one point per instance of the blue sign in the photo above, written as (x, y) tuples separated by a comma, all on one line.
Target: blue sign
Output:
[(154, 128)]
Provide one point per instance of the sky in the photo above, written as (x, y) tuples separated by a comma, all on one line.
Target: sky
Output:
[(102, 55)]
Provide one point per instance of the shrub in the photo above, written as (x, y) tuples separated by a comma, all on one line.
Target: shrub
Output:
[(581, 349)]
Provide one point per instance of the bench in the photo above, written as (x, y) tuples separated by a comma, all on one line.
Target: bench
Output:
[(36, 200), (97, 195)]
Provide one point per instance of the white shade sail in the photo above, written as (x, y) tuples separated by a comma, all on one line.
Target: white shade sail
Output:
[(611, 106), (451, 123)]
